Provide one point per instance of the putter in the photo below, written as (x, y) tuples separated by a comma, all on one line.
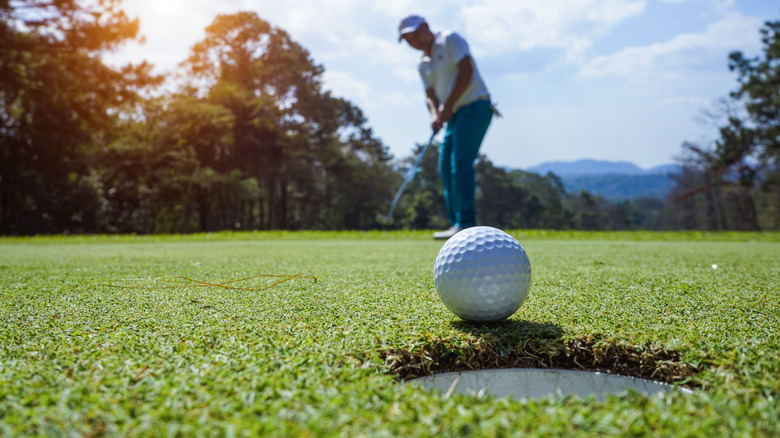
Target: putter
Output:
[(407, 179)]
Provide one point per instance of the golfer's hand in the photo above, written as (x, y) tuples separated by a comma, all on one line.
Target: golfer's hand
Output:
[(436, 125), (442, 117)]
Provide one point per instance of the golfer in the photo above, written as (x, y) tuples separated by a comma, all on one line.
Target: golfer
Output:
[(456, 96)]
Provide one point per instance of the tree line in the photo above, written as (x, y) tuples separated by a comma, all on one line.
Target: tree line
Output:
[(734, 183), (248, 138)]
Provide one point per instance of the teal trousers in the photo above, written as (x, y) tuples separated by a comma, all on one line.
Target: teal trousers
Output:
[(459, 149)]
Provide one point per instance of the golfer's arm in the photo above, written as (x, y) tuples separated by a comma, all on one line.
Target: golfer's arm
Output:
[(432, 101), (462, 80)]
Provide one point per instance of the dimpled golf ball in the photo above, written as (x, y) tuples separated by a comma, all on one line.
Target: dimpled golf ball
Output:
[(482, 274)]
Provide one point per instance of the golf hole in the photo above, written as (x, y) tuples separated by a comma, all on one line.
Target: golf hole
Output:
[(540, 383)]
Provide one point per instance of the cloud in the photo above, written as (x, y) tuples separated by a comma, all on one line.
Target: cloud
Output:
[(348, 30), (718, 5), (397, 8), (345, 85), (686, 101), (397, 98), (572, 25), (732, 32)]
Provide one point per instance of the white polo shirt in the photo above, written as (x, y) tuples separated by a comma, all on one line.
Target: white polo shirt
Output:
[(440, 70)]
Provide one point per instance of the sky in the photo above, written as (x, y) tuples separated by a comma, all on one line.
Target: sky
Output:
[(618, 80)]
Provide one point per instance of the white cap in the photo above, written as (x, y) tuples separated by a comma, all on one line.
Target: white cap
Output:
[(409, 25)]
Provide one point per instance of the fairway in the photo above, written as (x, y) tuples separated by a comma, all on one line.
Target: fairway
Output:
[(187, 336)]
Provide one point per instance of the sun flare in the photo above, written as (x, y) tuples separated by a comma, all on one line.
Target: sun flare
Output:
[(166, 7)]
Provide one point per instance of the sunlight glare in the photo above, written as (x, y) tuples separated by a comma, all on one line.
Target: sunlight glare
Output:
[(166, 7)]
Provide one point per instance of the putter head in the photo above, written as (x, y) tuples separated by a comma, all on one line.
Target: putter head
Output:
[(385, 219)]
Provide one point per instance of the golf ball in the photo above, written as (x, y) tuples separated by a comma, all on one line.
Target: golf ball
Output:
[(482, 274)]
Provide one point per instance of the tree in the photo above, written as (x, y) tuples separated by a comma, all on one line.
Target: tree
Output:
[(699, 184), (58, 104), (735, 184), (759, 84), (548, 191), (359, 173), (422, 205), (648, 213), (501, 202), (318, 164), (758, 138), (587, 211), (166, 170)]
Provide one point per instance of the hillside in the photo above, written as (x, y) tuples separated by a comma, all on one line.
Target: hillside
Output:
[(599, 167), (614, 180), (621, 187)]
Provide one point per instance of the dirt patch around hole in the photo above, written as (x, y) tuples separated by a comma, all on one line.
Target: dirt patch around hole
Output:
[(433, 355)]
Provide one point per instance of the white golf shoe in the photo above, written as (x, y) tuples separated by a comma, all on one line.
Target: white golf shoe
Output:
[(446, 234)]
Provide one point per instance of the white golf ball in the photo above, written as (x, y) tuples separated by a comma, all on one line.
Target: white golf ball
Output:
[(482, 274)]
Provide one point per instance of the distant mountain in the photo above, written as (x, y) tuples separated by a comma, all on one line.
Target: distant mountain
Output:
[(664, 169), (599, 167), (620, 187), (614, 180)]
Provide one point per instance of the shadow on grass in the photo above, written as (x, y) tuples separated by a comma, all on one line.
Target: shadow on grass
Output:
[(526, 344), (510, 331)]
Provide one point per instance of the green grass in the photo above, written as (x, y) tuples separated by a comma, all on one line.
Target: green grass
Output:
[(93, 342)]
